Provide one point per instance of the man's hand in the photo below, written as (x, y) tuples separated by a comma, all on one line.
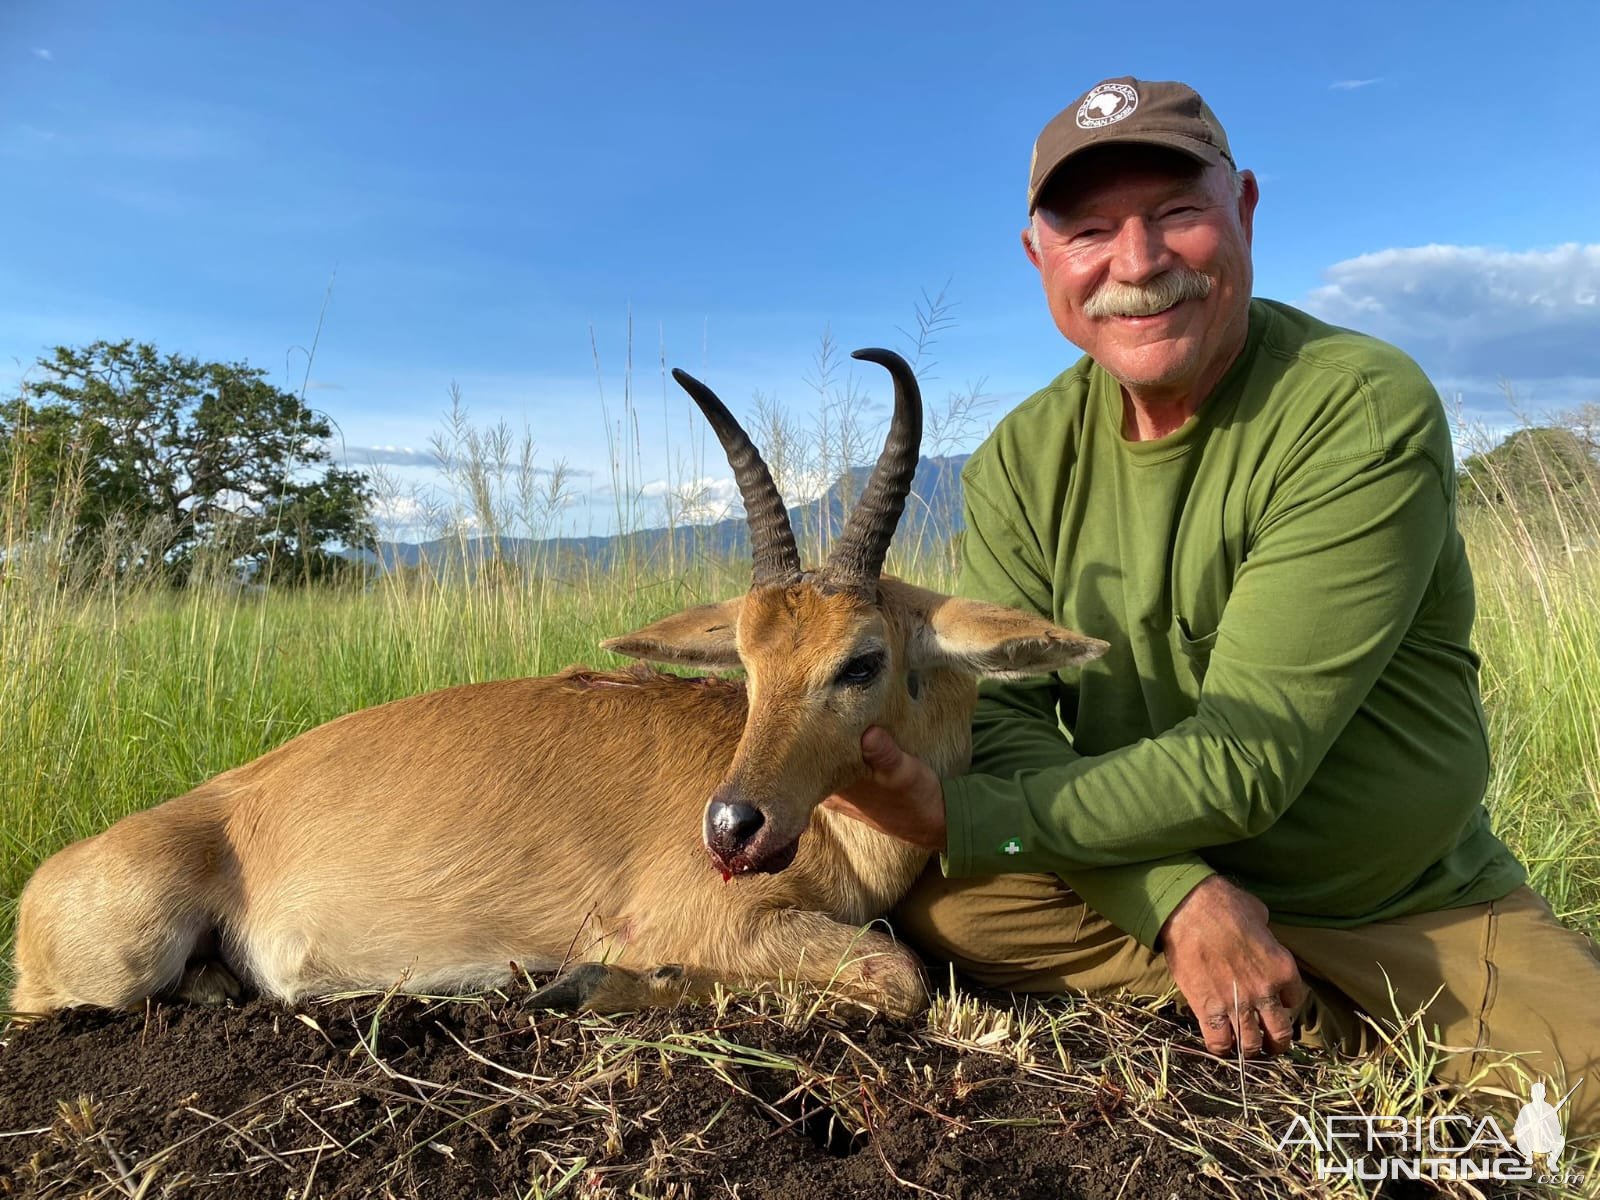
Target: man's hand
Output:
[(900, 795), (1221, 952)]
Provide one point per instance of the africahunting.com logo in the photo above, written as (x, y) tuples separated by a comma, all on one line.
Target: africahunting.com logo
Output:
[(1450, 1147)]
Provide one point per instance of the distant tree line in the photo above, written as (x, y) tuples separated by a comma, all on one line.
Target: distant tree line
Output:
[(155, 463), (1539, 466)]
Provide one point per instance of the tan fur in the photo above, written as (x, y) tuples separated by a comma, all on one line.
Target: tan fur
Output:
[(435, 841)]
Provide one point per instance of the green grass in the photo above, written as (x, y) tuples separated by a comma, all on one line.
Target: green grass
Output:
[(1538, 632)]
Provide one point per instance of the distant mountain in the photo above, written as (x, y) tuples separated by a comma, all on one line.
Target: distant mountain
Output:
[(932, 517)]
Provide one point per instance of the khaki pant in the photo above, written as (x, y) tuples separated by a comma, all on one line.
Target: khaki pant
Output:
[(1514, 979)]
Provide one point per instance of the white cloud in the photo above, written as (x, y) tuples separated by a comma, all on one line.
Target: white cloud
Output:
[(1473, 315), (706, 499), (803, 486), (400, 511), (407, 456), (1350, 85), (695, 501), (41, 53), (388, 456)]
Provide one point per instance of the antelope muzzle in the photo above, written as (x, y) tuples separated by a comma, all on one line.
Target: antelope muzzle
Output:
[(741, 841)]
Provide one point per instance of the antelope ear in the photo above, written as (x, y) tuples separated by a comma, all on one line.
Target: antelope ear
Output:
[(703, 636), (996, 642)]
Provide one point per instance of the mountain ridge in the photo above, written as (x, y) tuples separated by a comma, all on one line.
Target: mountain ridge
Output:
[(932, 514)]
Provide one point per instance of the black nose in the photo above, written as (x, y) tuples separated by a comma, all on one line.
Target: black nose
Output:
[(730, 826)]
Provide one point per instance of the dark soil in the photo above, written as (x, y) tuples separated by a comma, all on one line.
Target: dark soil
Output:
[(403, 1097)]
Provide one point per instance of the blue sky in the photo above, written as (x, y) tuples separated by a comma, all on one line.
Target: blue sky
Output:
[(491, 182)]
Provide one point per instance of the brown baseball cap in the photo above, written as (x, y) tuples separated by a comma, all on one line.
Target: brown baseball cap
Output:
[(1123, 110)]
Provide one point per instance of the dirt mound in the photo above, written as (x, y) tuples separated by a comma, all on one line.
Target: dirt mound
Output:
[(404, 1097)]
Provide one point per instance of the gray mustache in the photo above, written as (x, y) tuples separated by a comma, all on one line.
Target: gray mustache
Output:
[(1145, 299)]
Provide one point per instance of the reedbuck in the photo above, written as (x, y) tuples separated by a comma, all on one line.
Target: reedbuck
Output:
[(662, 833)]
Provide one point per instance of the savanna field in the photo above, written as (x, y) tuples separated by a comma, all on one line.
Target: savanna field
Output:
[(117, 694)]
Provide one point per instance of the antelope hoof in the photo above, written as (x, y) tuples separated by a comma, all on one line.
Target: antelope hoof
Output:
[(208, 983), (574, 990), (601, 988)]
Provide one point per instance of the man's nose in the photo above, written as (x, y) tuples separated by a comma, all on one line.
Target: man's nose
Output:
[(1138, 253)]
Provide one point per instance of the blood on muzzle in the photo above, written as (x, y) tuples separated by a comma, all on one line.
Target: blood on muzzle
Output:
[(730, 826)]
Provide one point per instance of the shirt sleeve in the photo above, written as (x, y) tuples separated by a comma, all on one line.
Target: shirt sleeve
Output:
[(1016, 730), (1337, 569)]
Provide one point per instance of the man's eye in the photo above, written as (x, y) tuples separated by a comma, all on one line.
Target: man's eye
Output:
[(860, 670)]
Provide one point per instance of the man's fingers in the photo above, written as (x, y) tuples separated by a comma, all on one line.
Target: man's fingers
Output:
[(1278, 1041), (1260, 1025), (1249, 1028), (1217, 1028), (891, 766), (878, 749), (1294, 993), (1277, 1024)]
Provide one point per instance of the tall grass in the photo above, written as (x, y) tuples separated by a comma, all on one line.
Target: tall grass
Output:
[(1536, 561)]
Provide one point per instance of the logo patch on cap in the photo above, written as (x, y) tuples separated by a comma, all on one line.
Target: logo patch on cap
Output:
[(1107, 104)]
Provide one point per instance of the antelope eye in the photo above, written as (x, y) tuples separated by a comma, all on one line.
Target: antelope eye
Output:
[(860, 670)]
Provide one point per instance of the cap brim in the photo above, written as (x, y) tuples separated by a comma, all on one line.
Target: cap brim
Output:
[(1203, 153)]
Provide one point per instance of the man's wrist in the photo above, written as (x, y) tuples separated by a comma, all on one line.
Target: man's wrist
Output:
[(1185, 903)]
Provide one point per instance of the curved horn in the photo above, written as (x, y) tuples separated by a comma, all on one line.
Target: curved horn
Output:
[(777, 561), (857, 557)]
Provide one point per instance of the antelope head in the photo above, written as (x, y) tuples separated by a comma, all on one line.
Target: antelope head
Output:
[(829, 652)]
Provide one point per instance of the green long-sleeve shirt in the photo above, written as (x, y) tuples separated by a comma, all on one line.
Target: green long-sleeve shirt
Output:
[(1290, 697)]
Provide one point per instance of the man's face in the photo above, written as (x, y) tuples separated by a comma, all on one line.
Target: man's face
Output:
[(1123, 232)]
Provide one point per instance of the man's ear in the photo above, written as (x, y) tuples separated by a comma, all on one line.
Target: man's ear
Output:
[(1249, 197), (996, 642), (1028, 247), (703, 636)]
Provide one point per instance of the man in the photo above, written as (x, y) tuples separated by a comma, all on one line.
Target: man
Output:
[(1269, 792)]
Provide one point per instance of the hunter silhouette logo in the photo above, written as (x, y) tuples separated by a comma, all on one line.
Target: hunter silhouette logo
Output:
[(1538, 1127), (1105, 104)]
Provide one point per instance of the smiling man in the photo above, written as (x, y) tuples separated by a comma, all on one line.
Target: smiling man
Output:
[(1269, 793)]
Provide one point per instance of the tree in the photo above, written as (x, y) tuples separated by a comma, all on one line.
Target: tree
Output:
[(170, 457), (1541, 464)]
